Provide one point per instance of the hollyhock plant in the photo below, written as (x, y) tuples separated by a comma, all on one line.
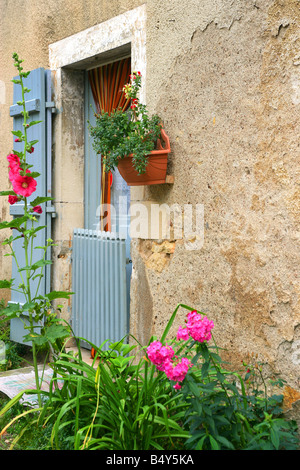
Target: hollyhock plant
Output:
[(36, 308)]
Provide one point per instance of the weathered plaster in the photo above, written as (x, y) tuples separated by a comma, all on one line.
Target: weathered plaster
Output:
[(228, 95)]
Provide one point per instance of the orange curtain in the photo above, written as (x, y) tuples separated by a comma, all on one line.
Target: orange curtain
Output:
[(107, 84)]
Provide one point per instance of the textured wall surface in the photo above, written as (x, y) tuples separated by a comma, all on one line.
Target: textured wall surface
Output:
[(225, 77)]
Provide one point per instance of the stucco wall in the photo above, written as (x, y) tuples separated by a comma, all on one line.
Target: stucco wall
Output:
[(225, 77)]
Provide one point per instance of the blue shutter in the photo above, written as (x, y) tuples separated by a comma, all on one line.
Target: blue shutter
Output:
[(39, 107)]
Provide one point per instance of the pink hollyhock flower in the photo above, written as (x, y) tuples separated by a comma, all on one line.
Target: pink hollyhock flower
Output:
[(12, 199), (37, 209), (13, 160), (14, 166), (31, 150), (24, 185)]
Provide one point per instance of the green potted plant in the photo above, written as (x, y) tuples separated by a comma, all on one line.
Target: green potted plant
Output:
[(132, 141)]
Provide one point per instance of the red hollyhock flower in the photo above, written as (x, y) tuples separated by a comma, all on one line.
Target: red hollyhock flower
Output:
[(31, 150), (14, 161), (24, 185), (37, 209), (14, 166), (12, 199)]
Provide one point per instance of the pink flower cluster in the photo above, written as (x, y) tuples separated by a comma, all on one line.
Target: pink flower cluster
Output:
[(199, 328), (162, 357), (22, 185)]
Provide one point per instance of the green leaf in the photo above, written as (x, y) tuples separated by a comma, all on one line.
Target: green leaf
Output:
[(11, 311), (29, 306), (225, 442), (213, 443), (6, 284), (59, 295), (275, 438), (53, 333), (35, 174), (7, 193), (204, 369), (41, 263), (17, 133), (39, 200), (17, 222), (33, 123)]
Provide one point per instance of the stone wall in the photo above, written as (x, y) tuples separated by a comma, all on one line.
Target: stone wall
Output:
[(225, 77)]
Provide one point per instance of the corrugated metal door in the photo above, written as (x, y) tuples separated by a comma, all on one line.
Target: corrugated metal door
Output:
[(39, 107), (101, 267)]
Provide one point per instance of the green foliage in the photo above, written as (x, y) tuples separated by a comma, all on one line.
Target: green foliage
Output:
[(122, 133), (122, 402), (117, 406)]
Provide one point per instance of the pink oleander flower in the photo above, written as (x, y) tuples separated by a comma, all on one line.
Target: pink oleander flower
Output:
[(24, 185), (37, 209), (12, 199), (159, 354)]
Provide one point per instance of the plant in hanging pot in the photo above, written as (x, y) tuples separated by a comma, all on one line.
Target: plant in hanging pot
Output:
[(131, 140)]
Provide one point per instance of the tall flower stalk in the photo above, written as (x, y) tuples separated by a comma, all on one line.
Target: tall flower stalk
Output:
[(43, 325)]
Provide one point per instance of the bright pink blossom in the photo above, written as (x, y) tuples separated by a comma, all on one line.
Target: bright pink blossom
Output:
[(24, 185), (199, 327), (12, 199), (13, 160), (162, 357), (158, 354), (37, 209), (14, 166), (177, 372), (182, 333)]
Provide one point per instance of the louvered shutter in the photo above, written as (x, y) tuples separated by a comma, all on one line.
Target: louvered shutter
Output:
[(39, 107)]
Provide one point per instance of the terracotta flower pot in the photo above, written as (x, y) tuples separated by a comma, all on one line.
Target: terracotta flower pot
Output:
[(156, 170)]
